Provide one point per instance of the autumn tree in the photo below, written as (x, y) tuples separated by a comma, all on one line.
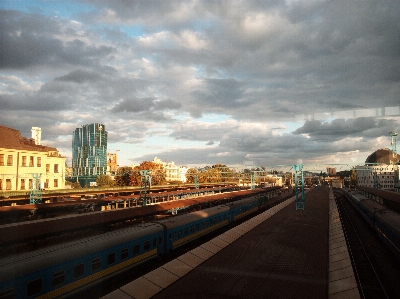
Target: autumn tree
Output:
[(190, 175), (104, 181), (122, 177), (226, 174), (157, 173)]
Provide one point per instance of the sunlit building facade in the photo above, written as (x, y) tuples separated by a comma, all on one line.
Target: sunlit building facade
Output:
[(25, 165)]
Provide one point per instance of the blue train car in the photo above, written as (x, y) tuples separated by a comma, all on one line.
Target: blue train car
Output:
[(63, 270), (182, 229), (242, 208), (384, 221)]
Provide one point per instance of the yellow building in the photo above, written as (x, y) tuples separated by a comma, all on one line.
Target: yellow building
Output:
[(22, 161)]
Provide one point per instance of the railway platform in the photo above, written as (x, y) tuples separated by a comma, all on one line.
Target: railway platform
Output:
[(281, 253)]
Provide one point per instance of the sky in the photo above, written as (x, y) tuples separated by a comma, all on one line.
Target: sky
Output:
[(253, 83)]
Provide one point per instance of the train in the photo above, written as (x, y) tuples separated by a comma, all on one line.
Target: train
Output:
[(384, 221), (64, 270)]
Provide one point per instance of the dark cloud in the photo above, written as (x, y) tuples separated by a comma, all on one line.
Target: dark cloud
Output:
[(145, 104), (340, 128), (80, 76), (32, 40)]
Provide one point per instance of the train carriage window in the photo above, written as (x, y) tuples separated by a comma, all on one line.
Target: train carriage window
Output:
[(202, 225), (136, 249), (79, 270), (111, 258), (7, 294), (154, 242), (192, 229), (147, 245), (160, 240), (179, 234), (124, 253), (206, 225), (96, 264), (58, 278), (34, 287), (186, 231), (197, 226)]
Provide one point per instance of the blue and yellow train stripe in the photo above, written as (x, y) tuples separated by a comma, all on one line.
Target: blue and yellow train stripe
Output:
[(200, 233), (245, 213), (97, 277)]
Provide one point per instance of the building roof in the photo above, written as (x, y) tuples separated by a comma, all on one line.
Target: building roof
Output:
[(383, 155), (12, 138)]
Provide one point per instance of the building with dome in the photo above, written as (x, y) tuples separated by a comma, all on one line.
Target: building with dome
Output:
[(381, 171)]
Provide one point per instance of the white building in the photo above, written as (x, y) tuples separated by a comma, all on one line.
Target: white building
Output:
[(379, 176), (173, 173)]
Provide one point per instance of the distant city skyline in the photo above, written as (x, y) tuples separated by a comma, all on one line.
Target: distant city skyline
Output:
[(241, 83)]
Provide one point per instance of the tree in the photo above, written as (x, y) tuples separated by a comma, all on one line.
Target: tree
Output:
[(104, 181), (353, 177), (226, 173), (157, 173), (190, 175), (122, 177)]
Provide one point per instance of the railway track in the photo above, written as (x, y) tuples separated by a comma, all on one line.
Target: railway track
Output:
[(375, 267)]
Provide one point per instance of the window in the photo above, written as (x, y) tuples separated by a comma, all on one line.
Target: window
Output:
[(30, 183), (9, 160), (34, 287), (55, 183), (160, 240), (47, 168), (124, 253), (154, 242), (39, 162), (31, 161), (58, 278), (23, 160), (55, 168), (146, 245), (197, 226), (111, 258), (8, 184), (179, 234), (186, 231), (79, 270), (8, 294), (1, 188), (22, 187), (96, 264), (192, 229), (136, 249), (1, 159), (46, 184)]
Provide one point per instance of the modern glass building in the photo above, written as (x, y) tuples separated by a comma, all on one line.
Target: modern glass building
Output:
[(89, 153)]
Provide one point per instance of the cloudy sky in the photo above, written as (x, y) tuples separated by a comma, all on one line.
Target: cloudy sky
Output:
[(203, 82)]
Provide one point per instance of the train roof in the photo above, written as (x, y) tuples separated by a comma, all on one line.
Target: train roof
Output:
[(19, 264), (240, 203), (390, 217), (173, 222)]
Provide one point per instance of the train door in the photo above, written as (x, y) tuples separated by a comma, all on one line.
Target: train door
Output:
[(160, 244)]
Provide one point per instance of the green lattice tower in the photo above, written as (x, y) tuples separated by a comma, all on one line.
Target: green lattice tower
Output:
[(36, 192), (300, 202), (145, 184)]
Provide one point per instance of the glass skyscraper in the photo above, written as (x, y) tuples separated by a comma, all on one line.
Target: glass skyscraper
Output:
[(89, 152)]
